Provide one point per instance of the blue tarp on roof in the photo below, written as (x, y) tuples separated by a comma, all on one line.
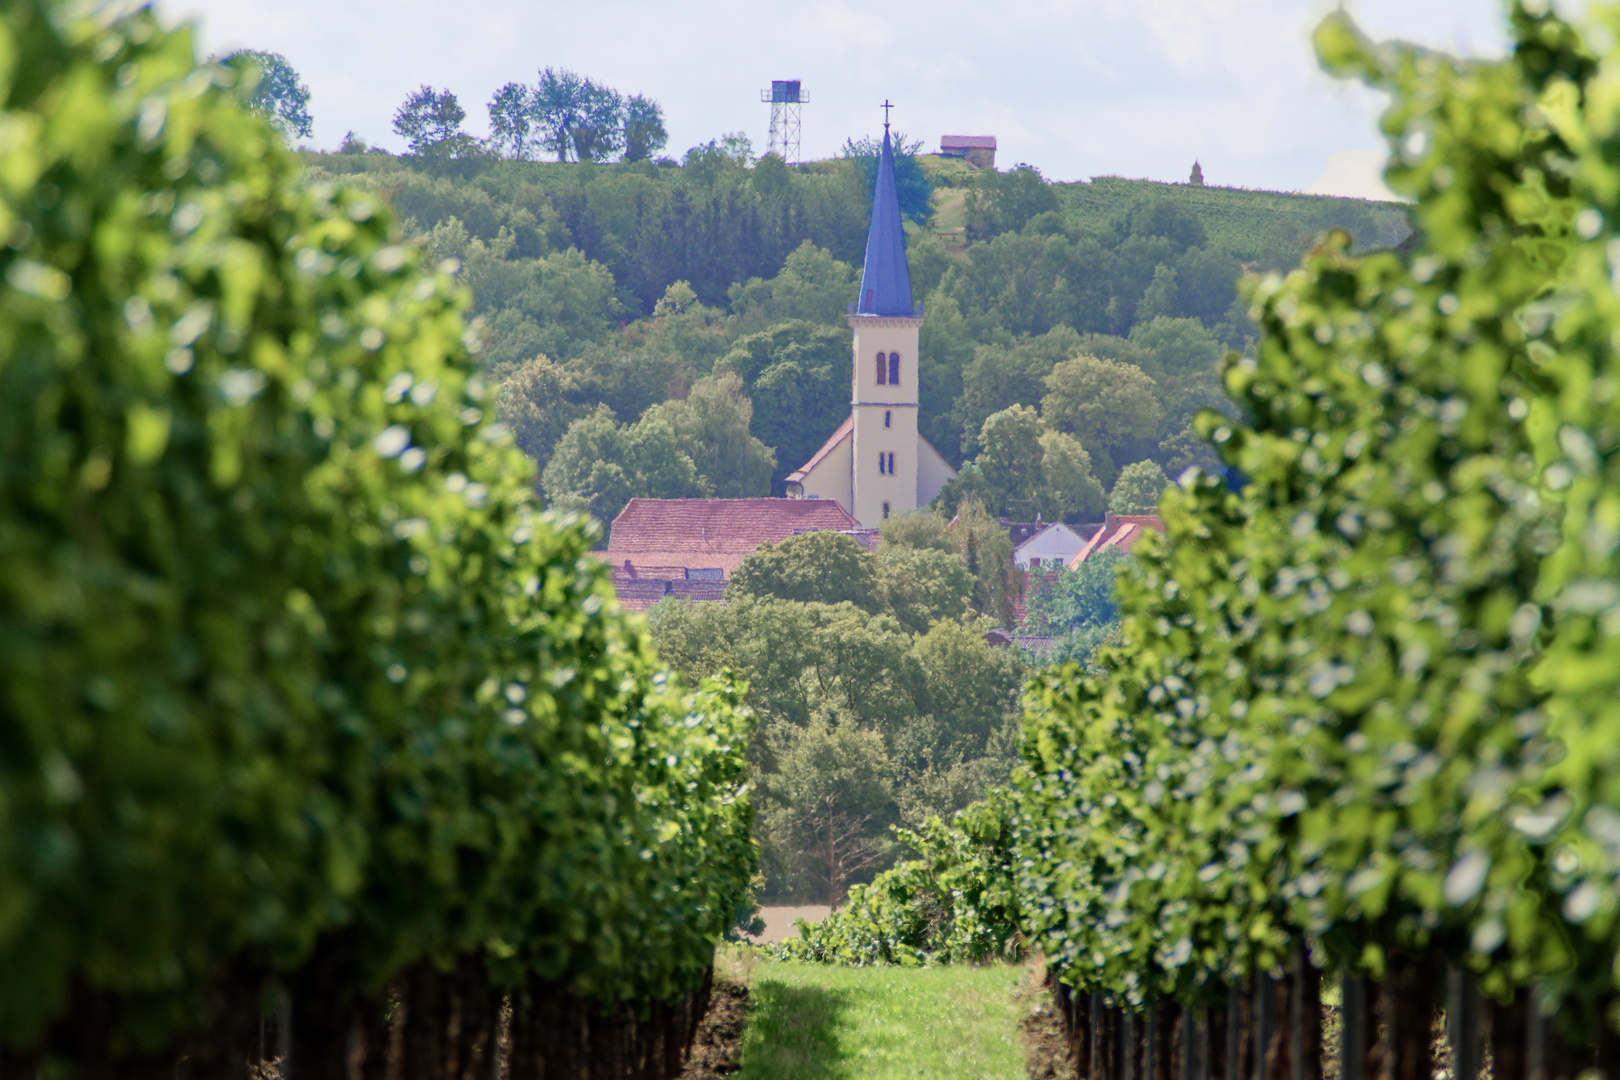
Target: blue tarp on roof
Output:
[(885, 280)]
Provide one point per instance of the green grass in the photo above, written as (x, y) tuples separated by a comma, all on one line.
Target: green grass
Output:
[(1250, 223), (825, 1023)]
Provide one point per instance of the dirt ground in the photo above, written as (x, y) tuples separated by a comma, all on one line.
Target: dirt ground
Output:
[(779, 921), (718, 1046), (1047, 1055)]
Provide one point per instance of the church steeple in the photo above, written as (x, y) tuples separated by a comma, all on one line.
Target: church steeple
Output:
[(885, 281)]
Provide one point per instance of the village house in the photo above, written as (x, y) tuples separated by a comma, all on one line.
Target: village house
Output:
[(690, 547), (1120, 532)]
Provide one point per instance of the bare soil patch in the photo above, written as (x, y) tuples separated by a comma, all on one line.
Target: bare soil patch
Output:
[(779, 921), (717, 1049), (1047, 1054)]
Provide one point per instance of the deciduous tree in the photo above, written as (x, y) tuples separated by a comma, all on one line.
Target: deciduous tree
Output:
[(1110, 407), (271, 88), (1138, 488)]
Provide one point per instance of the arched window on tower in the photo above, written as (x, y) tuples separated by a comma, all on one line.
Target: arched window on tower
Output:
[(894, 369), (883, 462), (891, 463), (886, 416), (885, 510), (882, 369)]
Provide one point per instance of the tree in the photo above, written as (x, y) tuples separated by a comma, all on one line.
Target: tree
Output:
[(985, 548), (1110, 407), (579, 116), (832, 799), (910, 183), (1004, 202), (270, 87), (970, 689), (711, 424), (644, 133), (1138, 489), (511, 122), (600, 466), (1001, 376), (538, 402), (1078, 599), (923, 586), (922, 530), (1010, 458), (1069, 488), (797, 377), (1180, 347), (587, 466), (598, 133), (1185, 450), (430, 123), (812, 285), (817, 567)]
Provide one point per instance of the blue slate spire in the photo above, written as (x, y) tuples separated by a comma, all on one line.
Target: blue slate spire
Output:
[(885, 281)]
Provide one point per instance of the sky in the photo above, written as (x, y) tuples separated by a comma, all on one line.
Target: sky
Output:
[(1078, 88)]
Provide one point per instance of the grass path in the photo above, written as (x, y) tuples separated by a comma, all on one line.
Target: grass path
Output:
[(825, 1023)]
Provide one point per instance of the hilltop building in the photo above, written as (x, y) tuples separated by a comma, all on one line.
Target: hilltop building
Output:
[(877, 464), (978, 150)]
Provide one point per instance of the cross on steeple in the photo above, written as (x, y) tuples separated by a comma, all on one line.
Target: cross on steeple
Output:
[(887, 105)]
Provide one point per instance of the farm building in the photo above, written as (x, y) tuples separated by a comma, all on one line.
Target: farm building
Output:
[(978, 150)]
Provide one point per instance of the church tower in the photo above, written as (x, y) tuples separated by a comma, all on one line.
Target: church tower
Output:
[(886, 325), (876, 464)]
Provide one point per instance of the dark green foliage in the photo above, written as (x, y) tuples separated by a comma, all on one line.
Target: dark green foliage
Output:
[(295, 669), (910, 183), (1138, 488), (1078, 599), (430, 123), (798, 377), (1269, 227), (955, 904), (873, 685), (817, 567), (1002, 202), (271, 88)]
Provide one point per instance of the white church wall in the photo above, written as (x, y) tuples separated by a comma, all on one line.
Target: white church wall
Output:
[(831, 478), (885, 443), (932, 472)]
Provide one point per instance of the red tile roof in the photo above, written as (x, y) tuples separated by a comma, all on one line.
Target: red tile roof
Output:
[(797, 475), (719, 533), (1120, 531)]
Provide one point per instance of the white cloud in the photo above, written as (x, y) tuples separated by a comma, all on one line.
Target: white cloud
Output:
[(1354, 174)]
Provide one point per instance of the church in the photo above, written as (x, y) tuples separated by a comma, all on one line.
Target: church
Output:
[(876, 464)]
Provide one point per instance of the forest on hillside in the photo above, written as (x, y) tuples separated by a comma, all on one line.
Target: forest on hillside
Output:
[(676, 329)]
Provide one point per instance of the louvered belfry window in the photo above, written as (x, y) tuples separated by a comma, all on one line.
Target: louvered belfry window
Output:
[(882, 369), (894, 369)]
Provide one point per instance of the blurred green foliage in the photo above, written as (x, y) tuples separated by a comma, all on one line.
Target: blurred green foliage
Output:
[(291, 655), (1369, 700)]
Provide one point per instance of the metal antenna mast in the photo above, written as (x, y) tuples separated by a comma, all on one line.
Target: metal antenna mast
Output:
[(785, 96)]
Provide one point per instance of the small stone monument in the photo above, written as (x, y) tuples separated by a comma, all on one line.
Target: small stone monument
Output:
[(1197, 177)]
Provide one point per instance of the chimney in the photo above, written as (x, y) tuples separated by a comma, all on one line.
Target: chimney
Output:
[(1109, 522)]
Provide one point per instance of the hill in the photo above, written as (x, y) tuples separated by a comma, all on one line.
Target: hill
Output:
[(1252, 224)]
